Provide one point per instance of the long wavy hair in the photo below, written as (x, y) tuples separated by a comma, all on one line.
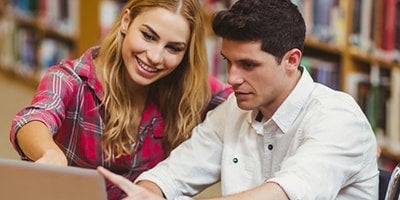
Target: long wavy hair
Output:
[(182, 96)]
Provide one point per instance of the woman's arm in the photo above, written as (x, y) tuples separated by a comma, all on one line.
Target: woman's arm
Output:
[(36, 141), (33, 127)]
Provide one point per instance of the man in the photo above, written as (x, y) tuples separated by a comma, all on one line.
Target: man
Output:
[(280, 136)]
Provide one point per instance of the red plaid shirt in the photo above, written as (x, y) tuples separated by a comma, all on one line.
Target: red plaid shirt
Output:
[(68, 103)]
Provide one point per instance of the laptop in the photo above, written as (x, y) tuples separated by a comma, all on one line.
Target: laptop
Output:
[(21, 180)]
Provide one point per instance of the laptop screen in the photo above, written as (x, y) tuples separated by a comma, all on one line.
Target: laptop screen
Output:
[(27, 180)]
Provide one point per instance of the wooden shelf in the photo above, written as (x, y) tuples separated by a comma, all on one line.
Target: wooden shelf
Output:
[(367, 58), (324, 47), (390, 153), (29, 81)]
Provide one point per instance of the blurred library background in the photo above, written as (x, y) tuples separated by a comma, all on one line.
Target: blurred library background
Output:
[(351, 45)]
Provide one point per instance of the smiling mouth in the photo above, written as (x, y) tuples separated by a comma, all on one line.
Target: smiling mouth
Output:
[(146, 67)]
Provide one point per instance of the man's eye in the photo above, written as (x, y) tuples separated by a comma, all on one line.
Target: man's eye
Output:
[(247, 66)]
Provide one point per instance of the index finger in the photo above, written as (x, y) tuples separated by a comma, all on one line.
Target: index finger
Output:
[(124, 184)]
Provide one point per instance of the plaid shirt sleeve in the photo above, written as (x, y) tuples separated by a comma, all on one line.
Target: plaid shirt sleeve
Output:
[(220, 92), (48, 104)]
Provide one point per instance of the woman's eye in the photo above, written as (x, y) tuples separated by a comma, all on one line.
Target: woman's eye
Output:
[(147, 36), (174, 49)]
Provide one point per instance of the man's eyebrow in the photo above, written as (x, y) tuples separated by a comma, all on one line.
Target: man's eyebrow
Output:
[(243, 60), (222, 54)]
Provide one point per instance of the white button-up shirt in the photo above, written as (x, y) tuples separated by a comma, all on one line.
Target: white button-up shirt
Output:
[(317, 145)]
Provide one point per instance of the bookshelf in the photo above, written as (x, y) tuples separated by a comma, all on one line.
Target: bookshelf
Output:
[(35, 34), (354, 42)]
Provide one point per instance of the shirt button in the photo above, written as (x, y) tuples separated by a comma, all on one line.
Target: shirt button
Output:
[(235, 160), (270, 146)]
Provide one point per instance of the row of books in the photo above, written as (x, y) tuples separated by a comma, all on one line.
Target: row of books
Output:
[(24, 51), (376, 28), (52, 51), (372, 91), (375, 24), (378, 94), (325, 20), (323, 71), (391, 138), (60, 15)]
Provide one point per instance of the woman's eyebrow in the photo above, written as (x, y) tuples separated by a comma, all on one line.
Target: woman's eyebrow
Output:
[(152, 31), (158, 37)]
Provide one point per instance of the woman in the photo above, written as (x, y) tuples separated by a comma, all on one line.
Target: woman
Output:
[(126, 104)]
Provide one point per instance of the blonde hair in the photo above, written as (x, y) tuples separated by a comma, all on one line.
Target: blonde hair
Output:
[(182, 96)]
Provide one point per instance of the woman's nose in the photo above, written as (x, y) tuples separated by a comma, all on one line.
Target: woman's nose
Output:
[(155, 54)]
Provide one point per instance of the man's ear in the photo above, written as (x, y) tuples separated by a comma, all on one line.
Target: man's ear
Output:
[(126, 19), (292, 58)]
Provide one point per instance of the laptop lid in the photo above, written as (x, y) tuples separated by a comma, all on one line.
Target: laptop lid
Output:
[(27, 180)]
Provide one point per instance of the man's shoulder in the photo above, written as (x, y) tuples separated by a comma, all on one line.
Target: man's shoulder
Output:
[(328, 95)]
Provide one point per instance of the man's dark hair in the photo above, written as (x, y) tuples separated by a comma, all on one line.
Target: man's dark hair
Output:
[(278, 24)]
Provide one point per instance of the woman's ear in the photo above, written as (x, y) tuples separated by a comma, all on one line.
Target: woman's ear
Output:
[(126, 19)]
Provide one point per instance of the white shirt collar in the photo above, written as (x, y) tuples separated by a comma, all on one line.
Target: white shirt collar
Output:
[(287, 113)]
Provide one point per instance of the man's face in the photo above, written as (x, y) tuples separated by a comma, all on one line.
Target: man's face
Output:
[(257, 79)]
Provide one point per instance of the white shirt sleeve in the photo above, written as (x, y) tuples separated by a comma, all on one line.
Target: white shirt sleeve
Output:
[(191, 167)]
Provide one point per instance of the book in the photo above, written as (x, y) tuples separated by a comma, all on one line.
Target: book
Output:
[(365, 26), (51, 52), (356, 23), (339, 16), (59, 15), (352, 81), (373, 96), (321, 20), (397, 33), (373, 92), (393, 125), (109, 12), (388, 35), (307, 11), (7, 29), (25, 47), (322, 71)]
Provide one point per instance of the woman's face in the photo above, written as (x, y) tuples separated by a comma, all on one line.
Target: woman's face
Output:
[(154, 44)]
